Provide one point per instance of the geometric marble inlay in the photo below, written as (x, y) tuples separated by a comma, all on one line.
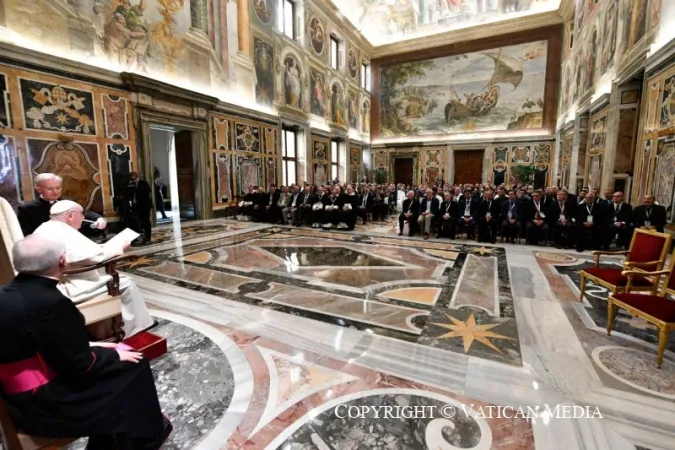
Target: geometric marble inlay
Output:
[(327, 256), (638, 369), (427, 296)]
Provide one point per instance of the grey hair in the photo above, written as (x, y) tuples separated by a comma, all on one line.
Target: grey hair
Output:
[(37, 254), (47, 177)]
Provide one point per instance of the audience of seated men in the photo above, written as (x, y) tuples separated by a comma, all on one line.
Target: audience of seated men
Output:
[(553, 215)]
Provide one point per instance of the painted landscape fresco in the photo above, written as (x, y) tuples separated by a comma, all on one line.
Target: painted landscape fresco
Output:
[(490, 90)]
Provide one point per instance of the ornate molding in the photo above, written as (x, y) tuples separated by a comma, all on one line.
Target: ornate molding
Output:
[(472, 33), (161, 91)]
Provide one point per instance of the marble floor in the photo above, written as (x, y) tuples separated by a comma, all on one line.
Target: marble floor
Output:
[(274, 331)]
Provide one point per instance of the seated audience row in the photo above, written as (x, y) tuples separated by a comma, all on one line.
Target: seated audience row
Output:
[(484, 212)]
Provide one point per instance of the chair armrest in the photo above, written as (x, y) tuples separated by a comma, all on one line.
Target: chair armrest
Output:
[(109, 265), (631, 264), (599, 253), (631, 273)]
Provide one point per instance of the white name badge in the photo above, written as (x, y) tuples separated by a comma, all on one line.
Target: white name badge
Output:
[(648, 223), (488, 214), (542, 215), (589, 218), (615, 219), (510, 215), (467, 215), (562, 216)]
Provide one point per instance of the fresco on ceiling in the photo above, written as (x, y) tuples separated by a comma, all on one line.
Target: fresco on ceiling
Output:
[(489, 90), (142, 36), (386, 21)]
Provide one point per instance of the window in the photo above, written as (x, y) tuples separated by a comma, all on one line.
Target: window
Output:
[(287, 18), (289, 156), (334, 158), (334, 52), (365, 76)]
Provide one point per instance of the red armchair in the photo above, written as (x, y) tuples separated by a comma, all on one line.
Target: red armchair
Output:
[(647, 254), (658, 310)]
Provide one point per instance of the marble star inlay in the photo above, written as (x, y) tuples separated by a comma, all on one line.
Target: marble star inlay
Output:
[(469, 331), (141, 261)]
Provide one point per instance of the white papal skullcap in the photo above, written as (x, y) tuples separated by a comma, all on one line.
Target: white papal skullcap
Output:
[(62, 206)]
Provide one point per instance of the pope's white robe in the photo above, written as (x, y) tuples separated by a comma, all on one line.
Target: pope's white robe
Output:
[(92, 284), (400, 198)]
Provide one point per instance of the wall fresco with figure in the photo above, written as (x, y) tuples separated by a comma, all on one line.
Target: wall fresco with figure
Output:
[(386, 21), (496, 89)]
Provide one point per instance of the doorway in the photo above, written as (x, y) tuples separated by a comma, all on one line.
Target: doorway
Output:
[(403, 171), (173, 173), (468, 166)]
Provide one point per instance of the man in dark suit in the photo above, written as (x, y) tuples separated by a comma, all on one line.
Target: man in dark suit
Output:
[(139, 197), (429, 207), (591, 222), (34, 213), (536, 227), (159, 194), (560, 215), (305, 202), (269, 208), (332, 205), (467, 212), (349, 202), (649, 216), (488, 218), (447, 217), (365, 205), (317, 211), (621, 225), (411, 210), (512, 211), (290, 212)]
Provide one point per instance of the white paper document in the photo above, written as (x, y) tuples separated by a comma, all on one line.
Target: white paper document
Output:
[(125, 236)]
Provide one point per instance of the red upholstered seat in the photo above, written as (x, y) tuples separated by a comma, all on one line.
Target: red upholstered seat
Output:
[(658, 307), (646, 248), (614, 277)]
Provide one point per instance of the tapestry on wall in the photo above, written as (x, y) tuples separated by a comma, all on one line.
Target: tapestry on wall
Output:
[(490, 90), (223, 178), (249, 173), (77, 163), (51, 107), (119, 161)]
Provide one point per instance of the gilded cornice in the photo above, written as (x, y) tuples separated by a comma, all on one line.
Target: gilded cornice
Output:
[(351, 32), (472, 33)]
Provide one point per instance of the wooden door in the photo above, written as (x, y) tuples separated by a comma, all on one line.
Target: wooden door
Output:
[(403, 171), (186, 174), (468, 166)]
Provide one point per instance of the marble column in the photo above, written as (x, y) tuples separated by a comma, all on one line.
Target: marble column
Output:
[(244, 27), (199, 15)]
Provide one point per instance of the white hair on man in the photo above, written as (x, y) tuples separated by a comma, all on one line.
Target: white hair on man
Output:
[(37, 255), (47, 177)]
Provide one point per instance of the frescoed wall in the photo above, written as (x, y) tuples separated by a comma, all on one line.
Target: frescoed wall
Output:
[(506, 86), (385, 21), (82, 132)]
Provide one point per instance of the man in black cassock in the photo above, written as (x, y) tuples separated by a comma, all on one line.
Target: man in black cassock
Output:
[(75, 388), (488, 218), (34, 213), (139, 197)]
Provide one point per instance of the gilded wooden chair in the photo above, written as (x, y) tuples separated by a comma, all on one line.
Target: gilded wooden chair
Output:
[(658, 310), (647, 253)]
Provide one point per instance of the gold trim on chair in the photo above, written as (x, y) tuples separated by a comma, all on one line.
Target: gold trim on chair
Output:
[(628, 264)]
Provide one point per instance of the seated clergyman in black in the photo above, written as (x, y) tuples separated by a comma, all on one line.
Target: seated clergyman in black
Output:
[(56, 383)]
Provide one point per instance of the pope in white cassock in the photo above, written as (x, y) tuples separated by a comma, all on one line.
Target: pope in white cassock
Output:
[(65, 219)]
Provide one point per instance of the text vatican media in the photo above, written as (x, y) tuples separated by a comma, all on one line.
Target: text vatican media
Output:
[(477, 411)]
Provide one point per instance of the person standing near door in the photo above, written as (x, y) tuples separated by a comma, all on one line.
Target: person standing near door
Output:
[(139, 196), (159, 194)]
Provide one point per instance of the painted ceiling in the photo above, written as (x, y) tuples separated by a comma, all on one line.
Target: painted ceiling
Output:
[(388, 21)]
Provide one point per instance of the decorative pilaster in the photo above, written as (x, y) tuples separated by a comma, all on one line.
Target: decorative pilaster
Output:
[(574, 163), (244, 27), (556, 158), (199, 15), (612, 136)]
